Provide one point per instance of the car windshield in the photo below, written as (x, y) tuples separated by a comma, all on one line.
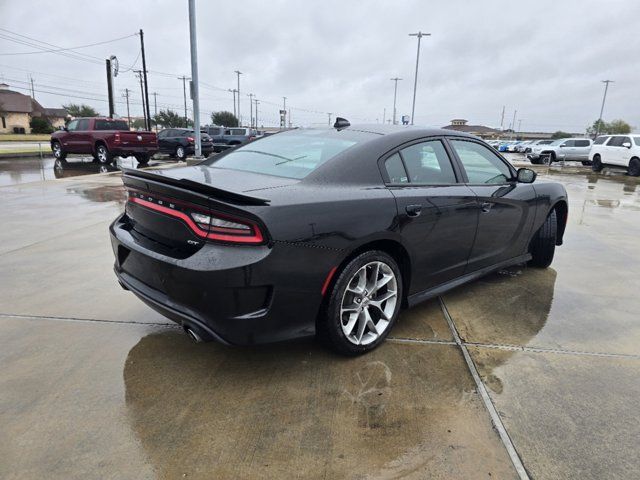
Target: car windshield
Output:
[(291, 155)]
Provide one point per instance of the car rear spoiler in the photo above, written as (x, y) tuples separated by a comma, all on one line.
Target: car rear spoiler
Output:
[(202, 188)]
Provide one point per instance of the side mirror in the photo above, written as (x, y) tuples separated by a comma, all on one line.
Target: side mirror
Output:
[(526, 175), (563, 145), (627, 144)]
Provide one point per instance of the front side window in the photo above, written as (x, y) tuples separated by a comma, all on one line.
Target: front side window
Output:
[(637, 141), (73, 125), (395, 169), (428, 163), (600, 140), (569, 143), (480, 163), (618, 141)]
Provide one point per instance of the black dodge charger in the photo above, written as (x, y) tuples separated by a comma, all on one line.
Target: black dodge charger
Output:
[(328, 231)]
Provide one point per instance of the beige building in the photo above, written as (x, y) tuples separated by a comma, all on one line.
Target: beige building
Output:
[(17, 110)]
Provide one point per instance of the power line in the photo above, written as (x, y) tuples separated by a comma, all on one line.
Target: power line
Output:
[(69, 48)]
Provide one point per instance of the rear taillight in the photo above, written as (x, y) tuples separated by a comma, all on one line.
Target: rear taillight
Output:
[(190, 139), (210, 225), (116, 138)]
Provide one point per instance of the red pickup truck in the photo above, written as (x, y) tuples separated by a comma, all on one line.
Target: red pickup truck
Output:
[(104, 138)]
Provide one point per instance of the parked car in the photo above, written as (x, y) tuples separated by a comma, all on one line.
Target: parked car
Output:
[(618, 150), (570, 149), (513, 146), (529, 147), (328, 231), (239, 135), (180, 142), (104, 138)]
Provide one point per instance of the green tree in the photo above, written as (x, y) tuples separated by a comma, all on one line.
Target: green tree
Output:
[(224, 119), (80, 110), (138, 124), (615, 127), (40, 125), (170, 119), (560, 134)]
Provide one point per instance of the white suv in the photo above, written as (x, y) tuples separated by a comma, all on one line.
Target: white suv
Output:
[(619, 150), (570, 149)]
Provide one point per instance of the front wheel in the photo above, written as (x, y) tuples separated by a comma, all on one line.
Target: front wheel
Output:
[(362, 305), (142, 159), (634, 167), (103, 155), (58, 152), (181, 153), (543, 243), (596, 164)]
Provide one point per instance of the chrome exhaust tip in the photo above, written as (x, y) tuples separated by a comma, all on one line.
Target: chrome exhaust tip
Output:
[(193, 335)]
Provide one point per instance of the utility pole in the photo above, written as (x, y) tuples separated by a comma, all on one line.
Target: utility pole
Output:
[(415, 81), (502, 119), (257, 102), (109, 87), (155, 109), (606, 87), (195, 93), (126, 95), (519, 126), (329, 118), (184, 93), (238, 73), (33, 92), (283, 121), (250, 95), (147, 115), (395, 95), (289, 117), (234, 103), (513, 123), (144, 107), (384, 115)]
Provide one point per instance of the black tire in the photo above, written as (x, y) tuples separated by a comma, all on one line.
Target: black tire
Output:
[(543, 243), (103, 155), (548, 158), (58, 151), (330, 324), (586, 163), (596, 164), (634, 167), (181, 153), (535, 161), (142, 159)]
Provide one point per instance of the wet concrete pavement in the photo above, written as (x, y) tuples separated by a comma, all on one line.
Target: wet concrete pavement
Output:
[(94, 384)]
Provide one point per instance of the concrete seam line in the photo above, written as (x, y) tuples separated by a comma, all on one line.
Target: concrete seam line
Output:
[(419, 341), (488, 403), (558, 351), (88, 320)]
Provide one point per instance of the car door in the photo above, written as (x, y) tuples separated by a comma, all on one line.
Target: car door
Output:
[(566, 151), (506, 208), (615, 151), (83, 137), (437, 214), (162, 140), (582, 150), (69, 140)]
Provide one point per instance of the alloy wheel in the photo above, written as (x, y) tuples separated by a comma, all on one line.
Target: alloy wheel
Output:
[(368, 303), (102, 154), (57, 150)]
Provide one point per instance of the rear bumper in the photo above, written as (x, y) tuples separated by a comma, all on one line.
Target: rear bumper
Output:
[(240, 295)]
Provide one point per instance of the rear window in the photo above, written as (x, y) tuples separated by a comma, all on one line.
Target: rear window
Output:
[(290, 155), (582, 143), (111, 125)]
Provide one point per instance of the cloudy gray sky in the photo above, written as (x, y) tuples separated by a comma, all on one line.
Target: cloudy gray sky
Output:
[(543, 58)]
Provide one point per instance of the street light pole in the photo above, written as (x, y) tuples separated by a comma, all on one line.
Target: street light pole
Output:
[(329, 118), (147, 114), (250, 95), (257, 102), (155, 109), (395, 95), (238, 72), (195, 93), (234, 103), (184, 92), (604, 97), (415, 81)]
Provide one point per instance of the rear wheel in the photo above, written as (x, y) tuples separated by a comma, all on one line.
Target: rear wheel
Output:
[(535, 161), (596, 164), (634, 167), (363, 304), (181, 153), (58, 152), (543, 243), (102, 154), (548, 158), (142, 159)]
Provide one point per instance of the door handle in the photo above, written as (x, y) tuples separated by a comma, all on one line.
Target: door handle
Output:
[(486, 206), (413, 210)]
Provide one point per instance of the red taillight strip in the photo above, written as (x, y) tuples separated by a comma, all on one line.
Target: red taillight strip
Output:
[(255, 238), (327, 281)]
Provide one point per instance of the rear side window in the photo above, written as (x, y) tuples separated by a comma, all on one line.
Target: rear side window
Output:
[(395, 169), (111, 125), (582, 143), (238, 131), (600, 140), (428, 163), (480, 163)]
